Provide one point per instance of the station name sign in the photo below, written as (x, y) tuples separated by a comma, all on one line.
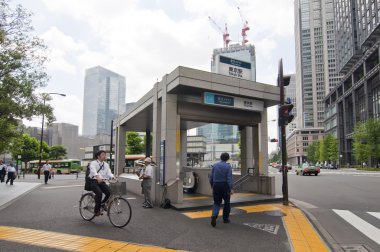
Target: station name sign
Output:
[(234, 68), (232, 102)]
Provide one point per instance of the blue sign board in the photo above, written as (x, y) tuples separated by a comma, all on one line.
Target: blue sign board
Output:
[(216, 99), (234, 62)]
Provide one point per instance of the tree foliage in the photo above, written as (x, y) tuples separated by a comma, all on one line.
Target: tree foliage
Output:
[(134, 143), (373, 138), (29, 148), (359, 147), (57, 152), (313, 152), (22, 71)]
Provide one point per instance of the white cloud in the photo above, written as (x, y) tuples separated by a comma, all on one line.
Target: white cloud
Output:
[(145, 44)]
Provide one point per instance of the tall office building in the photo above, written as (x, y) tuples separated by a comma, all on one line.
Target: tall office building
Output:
[(316, 72), (230, 61), (104, 100), (357, 97)]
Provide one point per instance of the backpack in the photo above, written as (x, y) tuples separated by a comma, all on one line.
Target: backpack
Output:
[(87, 183)]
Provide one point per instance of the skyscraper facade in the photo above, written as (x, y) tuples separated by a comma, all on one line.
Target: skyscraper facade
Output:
[(316, 71), (104, 100), (357, 96), (244, 54)]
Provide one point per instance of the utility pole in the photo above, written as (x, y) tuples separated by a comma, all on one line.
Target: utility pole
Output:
[(284, 117)]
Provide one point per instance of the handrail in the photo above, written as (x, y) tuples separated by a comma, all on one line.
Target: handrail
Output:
[(241, 180)]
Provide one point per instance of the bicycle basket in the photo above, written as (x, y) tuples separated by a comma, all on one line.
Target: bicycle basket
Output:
[(118, 188)]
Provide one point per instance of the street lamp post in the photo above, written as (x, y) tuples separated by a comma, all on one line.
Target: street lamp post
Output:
[(42, 133)]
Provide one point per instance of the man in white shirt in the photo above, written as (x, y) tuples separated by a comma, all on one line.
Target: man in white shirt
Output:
[(46, 168), (3, 171), (147, 176), (100, 170), (11, 173)]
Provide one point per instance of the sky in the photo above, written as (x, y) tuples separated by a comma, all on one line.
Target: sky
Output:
[(144, 40)]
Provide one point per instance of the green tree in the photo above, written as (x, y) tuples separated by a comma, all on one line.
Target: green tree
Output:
[(331, 147), (323, 156), (134, 143), (359, 146), (57, 152), (312, 152), (22, 71), (29, 148), (373, 139)]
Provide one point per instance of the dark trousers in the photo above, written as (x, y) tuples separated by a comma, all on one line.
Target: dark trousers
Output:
[(2, 176), (99, 189), (221, 191), (46, 173), (11, 177)]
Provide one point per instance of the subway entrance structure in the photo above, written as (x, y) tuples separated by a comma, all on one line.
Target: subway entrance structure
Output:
[(188, 98)]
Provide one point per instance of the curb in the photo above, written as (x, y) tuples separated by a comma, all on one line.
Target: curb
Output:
[(328, 239), (19, 196)]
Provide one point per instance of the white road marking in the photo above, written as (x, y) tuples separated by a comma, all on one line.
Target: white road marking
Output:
[(366, 228), (55, 187), (375, 214)]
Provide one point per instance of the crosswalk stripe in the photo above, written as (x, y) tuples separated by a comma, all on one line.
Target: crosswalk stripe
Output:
[(366, 228), (375, 214)]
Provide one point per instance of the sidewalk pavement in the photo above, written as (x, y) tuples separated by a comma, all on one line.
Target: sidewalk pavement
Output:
[(9, 193)]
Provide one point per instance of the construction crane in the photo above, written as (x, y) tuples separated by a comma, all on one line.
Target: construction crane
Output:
[(244, 29), (226, 35)]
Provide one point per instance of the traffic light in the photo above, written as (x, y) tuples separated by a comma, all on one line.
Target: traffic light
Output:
[(284, 114), (286, 79)]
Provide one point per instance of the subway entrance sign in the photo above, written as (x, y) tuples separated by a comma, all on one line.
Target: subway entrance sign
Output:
[(215, 99)]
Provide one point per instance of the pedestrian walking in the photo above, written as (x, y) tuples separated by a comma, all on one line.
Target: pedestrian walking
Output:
[(46, 168), (147, 176), (221, 183), (3, 171), (12, 173)]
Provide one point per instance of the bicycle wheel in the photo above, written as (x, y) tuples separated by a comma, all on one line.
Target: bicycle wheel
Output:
[(119, 212), (87, 206)]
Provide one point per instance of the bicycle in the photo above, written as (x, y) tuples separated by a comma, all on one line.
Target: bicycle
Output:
[(118, 209)]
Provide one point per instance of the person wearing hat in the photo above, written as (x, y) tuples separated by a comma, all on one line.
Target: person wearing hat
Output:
[(147, 176)]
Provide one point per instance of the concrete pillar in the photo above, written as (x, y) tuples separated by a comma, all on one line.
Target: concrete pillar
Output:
[(170, 132), (147, 143), (255, 148), (263, 144), (120, 149), (246, 151), (183, 149), (156, 138)]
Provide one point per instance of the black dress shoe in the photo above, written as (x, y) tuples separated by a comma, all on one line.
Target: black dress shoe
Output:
[(213, 221), (226, 221)]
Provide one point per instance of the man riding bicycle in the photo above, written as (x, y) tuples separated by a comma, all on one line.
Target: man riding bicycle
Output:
[(100, 170)]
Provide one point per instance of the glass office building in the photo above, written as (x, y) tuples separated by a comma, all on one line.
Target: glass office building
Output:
[(104, 100)]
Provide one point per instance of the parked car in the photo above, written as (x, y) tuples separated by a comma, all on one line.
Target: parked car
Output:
[(306, 168)]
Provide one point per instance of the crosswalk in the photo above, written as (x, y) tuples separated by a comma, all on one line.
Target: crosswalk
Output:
[(364, 223)]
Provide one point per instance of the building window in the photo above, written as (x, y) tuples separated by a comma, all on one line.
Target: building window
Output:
[(376, 102)]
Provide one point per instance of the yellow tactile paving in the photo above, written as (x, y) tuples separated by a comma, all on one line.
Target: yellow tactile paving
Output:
[(258, 208), (200, 214), (242, 194), (302, 234), (196, 198), (70, 242)]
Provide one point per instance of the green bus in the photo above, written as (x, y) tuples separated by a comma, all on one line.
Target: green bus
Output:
[(65, 166)]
